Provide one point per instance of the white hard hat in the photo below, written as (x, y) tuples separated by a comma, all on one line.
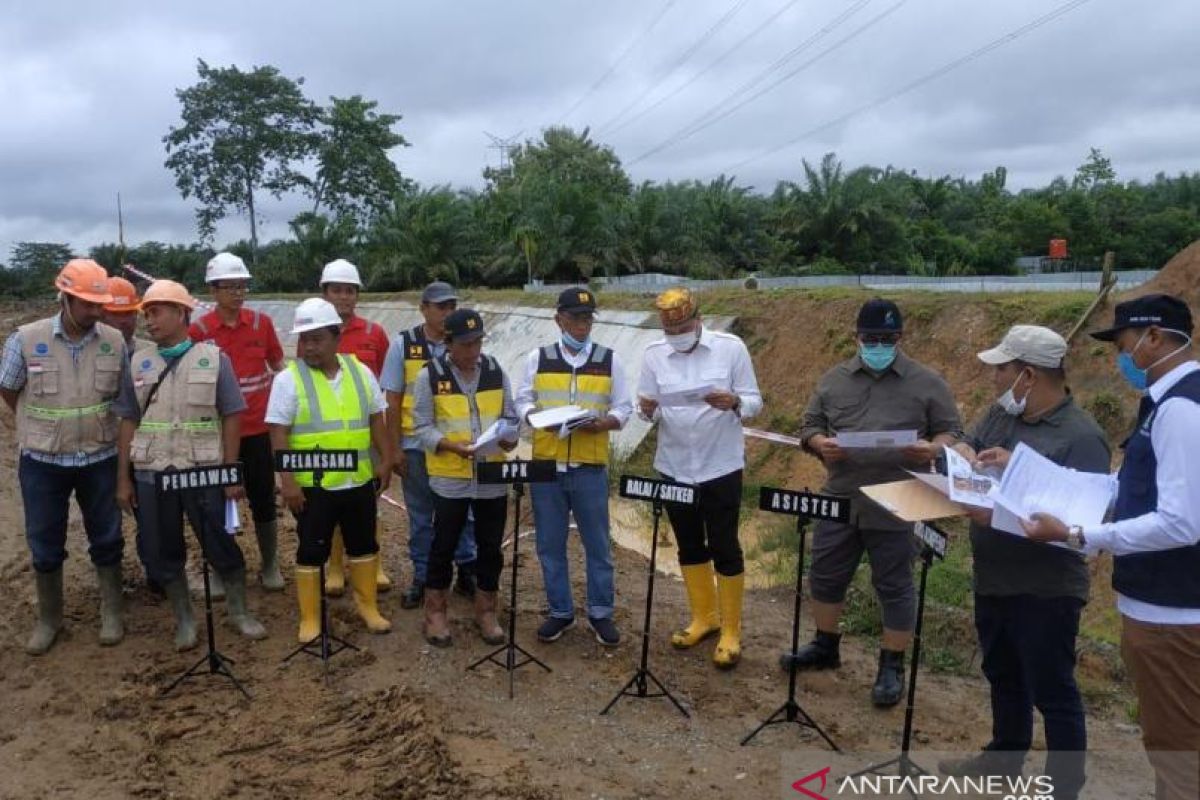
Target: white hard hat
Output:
[(226, 267), (313, 314), (340, 271)]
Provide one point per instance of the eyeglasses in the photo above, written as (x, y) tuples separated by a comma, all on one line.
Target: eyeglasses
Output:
[(240, 287), (876, 339)]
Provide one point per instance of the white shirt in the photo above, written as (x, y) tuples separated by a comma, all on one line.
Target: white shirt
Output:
[(284, 403), (699, 443), (1175, 521), (621, 402)]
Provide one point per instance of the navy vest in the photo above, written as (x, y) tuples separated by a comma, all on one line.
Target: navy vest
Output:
[(1164, 577)]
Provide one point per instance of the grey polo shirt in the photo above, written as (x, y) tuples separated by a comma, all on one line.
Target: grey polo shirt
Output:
[(428, 435), (850, 397), (1006, 564)]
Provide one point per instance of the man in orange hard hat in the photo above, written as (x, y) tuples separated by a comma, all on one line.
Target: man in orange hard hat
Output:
[(122, 312), (60, 376)]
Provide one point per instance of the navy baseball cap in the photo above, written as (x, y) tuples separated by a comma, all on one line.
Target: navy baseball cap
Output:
[(464, 325), (577, 300), (880, 316), (438, 292), (1162, 310)]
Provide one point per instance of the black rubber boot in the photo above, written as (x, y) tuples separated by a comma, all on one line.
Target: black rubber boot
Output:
[(464, 584), (821, 653), (889, 682), (413, 596)]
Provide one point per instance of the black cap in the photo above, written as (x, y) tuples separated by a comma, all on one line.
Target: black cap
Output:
[(464, 325), (880, 316), (576, 300), (1162, 310)]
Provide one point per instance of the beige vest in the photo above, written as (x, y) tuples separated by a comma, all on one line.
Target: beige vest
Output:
[(66, 407), (182, 427)]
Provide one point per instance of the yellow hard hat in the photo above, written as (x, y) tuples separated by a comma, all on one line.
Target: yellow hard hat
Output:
[(676, 305)]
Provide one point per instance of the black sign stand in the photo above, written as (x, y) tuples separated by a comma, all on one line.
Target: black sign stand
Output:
[(216, 662), (633, 487), (517, 473), (326, 645), (934, 544), (804, 507)]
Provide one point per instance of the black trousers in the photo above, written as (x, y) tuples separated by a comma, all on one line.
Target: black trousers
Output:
[(162, 514), (709, 531), (325, 510), (449, 519), (259, 468), (1028, 646)]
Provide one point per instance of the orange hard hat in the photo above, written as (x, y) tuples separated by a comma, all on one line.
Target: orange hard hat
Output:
[(124, 297), (164, 291), (85, 279)]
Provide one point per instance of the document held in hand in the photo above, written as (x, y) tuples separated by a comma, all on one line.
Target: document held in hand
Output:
[(875, 440), (557, 417), (686, 397), (488, 443), (1033, 483)]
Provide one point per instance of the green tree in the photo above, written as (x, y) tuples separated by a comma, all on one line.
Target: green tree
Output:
[(355, 175), (242, 133), (1094, 172), (427, 234), (33, 266)]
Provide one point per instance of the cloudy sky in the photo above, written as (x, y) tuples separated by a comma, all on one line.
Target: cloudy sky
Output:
[(684, 89)]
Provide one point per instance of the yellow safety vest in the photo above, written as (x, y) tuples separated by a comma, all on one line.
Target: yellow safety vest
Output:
[(339, 421), (558, 384), (452, 410), (417, 354)]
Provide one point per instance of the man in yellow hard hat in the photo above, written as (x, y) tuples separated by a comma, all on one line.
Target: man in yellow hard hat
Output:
[(701, 443), (59, 375), (180, 407)]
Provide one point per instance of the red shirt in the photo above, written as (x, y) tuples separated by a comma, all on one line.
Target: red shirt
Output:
[(364, 339), (252, 346)]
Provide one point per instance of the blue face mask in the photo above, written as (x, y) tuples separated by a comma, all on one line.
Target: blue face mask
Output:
[(175, 350), (1134, 375), (575, 344), (877, 357)]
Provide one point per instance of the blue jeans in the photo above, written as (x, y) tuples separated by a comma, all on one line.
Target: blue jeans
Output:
[(582, 491), (1028, 646), (46, 491), (418, 497)]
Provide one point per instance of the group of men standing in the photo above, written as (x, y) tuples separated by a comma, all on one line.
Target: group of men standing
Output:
[(99, 412)]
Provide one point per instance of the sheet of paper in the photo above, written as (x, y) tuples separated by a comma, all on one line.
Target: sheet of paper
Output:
[(232, 522), (875, 440), (1033, 483), (488, 443), (770, 436), (567, 428), (554, 417), (913, 500), (965, 484), (693, 396)]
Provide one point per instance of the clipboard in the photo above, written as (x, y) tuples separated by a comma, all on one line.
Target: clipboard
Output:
[(913, 501)]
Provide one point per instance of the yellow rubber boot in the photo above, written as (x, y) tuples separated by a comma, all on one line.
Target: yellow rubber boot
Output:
[(702, 598), (335, 569), (382, 582), (308, 595), (729, 594), (362, 579)]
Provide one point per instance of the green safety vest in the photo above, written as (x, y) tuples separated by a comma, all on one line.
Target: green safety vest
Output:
[(339, 421)]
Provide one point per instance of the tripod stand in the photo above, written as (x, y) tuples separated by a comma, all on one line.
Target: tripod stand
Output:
[(638, 685), (791, 711), (326, 645), (217, 663), (903, 762), (510, 648)]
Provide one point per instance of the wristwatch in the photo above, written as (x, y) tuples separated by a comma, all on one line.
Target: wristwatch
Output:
[(1075, 538)]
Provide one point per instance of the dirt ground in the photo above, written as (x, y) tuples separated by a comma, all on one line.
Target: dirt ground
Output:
[(403, 720)]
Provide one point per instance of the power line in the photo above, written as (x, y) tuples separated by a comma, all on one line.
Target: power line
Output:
[(680, 61), (1013, 35), (617, 62), (718, 60), (713, 115)]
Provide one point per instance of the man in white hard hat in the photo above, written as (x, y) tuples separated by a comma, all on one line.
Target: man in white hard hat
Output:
[(367, 341), (59, 375), (180, 407), (249, 339), (329, 400)]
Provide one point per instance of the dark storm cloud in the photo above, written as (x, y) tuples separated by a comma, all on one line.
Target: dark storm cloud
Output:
[(87, 91)]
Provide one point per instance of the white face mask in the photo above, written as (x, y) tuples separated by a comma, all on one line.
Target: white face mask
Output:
[(1008, 401), (683, 342)]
